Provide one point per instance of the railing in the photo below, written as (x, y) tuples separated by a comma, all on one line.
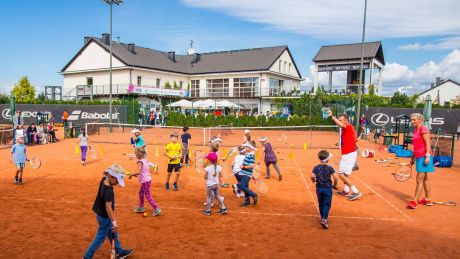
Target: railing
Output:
[(92, 90)]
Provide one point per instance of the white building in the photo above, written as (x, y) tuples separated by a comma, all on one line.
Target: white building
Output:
[(441, 92), (250, 77)]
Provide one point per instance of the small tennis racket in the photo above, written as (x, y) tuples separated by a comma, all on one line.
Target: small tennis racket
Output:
[(256, 172), (113, 253), (184, 150), (403, 172), (154, 167), (261, 186), (35, 162), (446, 203), (130, 156), (199, 163), (92, 152), (233, 151)]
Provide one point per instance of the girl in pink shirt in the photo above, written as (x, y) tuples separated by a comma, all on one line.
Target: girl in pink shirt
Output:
[(143, 173), (423, 161)]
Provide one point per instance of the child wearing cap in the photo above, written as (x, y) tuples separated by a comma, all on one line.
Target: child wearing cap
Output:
[(137, 139), (269, 157), (246, 174), (143, 171), (236, 168), (19, 157), (173, 153), (247, 136), (212, 175), (322, 176), (104, 207)]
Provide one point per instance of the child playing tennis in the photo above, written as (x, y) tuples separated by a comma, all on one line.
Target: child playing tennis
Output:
[(247, 136), (212, 175), (236, 169), (322, 176), (246, 174), (143, 171), (104, 207), (19, 158), (185, 137), (83, 143), (269, 157), (173, 153), (137, 140)]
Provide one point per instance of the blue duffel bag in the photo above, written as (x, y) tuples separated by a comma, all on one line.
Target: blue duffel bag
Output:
[(404, 153), (442, 161), (394, 148)]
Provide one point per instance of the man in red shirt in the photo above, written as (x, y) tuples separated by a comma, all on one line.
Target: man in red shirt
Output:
[(349, 155)]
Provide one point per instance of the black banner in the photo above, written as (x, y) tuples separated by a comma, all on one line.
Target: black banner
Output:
[(342, 67), (78, 114), (446, 119)]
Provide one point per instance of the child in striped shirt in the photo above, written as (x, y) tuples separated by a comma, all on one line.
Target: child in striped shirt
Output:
[(246, 174)]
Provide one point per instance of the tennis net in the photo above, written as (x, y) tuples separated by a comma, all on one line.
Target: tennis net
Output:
[(294, 137), (6, 138)]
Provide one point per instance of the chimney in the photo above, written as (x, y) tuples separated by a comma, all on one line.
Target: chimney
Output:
[(132, 48), (172, 56), (432, 85), (87, 39), (438, 80), (196, 57), (106, 38)]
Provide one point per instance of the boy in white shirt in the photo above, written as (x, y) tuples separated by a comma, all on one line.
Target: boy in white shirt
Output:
[(236, 168)]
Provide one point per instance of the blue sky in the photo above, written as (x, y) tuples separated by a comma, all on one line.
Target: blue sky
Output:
[(39, 37)]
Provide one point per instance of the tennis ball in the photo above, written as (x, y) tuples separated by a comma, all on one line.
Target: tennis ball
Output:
[(145, 214)]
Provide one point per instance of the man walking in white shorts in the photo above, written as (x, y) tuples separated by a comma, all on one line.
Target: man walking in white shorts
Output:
[(349, 155)]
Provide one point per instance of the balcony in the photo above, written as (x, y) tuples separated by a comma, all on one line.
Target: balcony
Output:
[(90, 91)]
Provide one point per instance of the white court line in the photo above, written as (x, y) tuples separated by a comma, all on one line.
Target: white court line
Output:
[(232, 211), (379, 195), (306, 185), (385, 200)]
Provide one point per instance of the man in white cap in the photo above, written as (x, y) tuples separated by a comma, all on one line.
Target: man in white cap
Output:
[(104, 207)]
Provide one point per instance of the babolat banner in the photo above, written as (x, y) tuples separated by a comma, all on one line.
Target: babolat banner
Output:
[(78, 114), (446, 119)]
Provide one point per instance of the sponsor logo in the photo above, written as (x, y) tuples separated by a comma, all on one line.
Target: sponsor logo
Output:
[(25, 114), (382, 119), (74, 116)]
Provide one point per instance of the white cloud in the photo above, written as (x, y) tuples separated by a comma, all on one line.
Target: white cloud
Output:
[(397, 77), (343, 19), (445, 43)]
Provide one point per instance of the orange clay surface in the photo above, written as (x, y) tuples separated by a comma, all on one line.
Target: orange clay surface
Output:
[(50, 215)]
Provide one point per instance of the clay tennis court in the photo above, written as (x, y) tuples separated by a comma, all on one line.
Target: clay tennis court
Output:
[(50, 215)]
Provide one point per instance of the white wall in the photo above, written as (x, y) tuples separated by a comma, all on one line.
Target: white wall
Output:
[(149, 78), (93, 57), (285, 59), (447, 92), (119, 77)]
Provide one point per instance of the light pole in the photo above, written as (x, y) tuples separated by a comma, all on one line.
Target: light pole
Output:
[(358, 107), (111, 2)]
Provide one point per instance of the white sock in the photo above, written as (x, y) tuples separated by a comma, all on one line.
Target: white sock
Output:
[(346, 188), (354, 189)]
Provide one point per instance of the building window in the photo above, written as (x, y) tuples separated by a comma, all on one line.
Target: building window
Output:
[(279, 66), (275, 87), (181, 85), (217, 87), (139, 80), (289, 71), (285, 64), (158, 82), (246, 87), (195, 88), (89, 81)]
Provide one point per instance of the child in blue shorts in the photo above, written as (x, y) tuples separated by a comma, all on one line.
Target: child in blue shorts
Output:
[(19, 158), (322, 176)]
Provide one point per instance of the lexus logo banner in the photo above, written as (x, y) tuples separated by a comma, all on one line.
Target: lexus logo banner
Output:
[(446, 119), (78, 114)]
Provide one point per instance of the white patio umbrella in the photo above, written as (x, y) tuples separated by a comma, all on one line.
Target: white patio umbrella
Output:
[(205, 104), (182, 103), (226, 104)]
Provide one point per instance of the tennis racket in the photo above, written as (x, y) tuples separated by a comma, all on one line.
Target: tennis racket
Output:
[(35, 162), (199, 163), (154, 167), (261, 186), (324, 112), (231, 153), (93, 152), (256, 172), (130, 156), (403, 172), (113, 253), (446, 203)]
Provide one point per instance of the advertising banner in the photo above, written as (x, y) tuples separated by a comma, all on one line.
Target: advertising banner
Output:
[(157, 91)]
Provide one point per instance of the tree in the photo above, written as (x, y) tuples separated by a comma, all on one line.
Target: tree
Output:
[(399, 99), (371, 89), (41, 97), (24, 91)]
